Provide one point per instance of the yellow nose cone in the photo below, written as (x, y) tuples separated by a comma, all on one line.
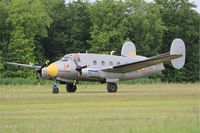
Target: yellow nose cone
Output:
[(52, 70)]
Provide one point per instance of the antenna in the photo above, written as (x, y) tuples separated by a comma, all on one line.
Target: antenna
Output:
[(112, 52)]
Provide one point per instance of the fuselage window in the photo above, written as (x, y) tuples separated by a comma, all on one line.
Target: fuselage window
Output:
[(103, 63), (65, 58), (118, 63), (111, 63), (94, 62)]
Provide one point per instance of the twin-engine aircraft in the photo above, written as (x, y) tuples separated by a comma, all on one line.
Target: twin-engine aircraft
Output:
[(109, 69)]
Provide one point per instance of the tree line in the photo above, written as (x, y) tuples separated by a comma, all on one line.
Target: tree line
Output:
[(32, 31)]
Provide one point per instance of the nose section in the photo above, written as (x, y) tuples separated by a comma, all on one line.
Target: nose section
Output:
[(52, 70)]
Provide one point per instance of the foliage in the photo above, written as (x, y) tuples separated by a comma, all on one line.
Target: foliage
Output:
[(23, 81), (78, 25), (55, 44), (4, 35), (28, 20), (36, 30), (144, 27), (34, 81), (107, 18), (181, 22)]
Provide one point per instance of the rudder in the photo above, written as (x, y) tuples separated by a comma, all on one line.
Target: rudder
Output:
[(128, 49)]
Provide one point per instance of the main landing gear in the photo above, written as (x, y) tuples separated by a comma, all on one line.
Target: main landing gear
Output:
[(70, 87), (112, 87)]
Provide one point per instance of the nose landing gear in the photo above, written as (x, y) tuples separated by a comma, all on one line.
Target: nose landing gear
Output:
[(70, 87), (55, 89)]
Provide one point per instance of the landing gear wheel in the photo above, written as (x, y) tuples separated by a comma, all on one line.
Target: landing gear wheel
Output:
[(55, 90), (112, 87), (71, 88)]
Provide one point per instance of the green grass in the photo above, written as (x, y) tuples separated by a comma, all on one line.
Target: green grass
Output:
[(153, 108), (34, 81)]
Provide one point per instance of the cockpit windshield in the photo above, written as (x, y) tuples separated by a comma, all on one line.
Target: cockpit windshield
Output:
[(66, 58)]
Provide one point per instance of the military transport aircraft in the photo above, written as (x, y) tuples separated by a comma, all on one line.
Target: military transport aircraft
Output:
[(110, 69)]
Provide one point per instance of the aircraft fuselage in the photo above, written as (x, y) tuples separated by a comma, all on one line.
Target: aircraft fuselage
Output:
[(96, 62)]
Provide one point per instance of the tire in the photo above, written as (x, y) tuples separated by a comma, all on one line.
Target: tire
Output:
[(112, 87), (70, 88), (55, 90)]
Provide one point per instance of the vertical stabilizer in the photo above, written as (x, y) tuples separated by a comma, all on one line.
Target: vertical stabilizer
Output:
[(128, 49)]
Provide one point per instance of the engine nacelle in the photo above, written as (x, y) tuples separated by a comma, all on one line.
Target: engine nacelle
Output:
[(90, 73)]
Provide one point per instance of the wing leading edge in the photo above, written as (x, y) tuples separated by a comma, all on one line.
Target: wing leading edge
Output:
[(141, 64), (24, 65)]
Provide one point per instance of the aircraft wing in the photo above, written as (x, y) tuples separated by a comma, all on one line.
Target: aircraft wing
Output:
[(141, 64), (24, 65)]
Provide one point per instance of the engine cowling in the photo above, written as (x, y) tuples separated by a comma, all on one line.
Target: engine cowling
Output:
[(90, 73)]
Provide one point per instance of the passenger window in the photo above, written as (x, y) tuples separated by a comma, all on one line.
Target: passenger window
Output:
[(103, 63), (94, 62), (111, 63), (118, 63)]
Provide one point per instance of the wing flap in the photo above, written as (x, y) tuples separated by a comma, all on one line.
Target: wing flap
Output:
[(142, 64)]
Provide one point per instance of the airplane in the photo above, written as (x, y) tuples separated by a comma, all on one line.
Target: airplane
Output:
[(109, 69)]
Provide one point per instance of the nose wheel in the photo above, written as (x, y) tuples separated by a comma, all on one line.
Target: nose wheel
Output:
[(71, 87), (112, 87), (55, 89)]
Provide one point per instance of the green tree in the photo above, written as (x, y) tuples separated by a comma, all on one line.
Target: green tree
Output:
[(78, 25), (28, 20), (144, 26), (55, 44), (4, 35), (107, 17), (182, 22)]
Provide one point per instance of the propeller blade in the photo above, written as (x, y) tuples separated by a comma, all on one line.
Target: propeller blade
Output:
[(39, 71), (79, 68)]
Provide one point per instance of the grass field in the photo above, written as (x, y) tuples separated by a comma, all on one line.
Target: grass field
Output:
[(153, 108)]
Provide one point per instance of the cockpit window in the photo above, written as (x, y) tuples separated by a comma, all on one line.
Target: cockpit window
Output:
[(78, 59), (66, 58)]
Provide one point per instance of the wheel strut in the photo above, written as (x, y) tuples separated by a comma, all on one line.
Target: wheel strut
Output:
[(55, 89)]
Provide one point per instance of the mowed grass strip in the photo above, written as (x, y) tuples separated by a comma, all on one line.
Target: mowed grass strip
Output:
[(153, 108)]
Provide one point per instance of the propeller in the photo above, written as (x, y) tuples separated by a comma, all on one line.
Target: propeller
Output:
[(78, 67), (39, 71)]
